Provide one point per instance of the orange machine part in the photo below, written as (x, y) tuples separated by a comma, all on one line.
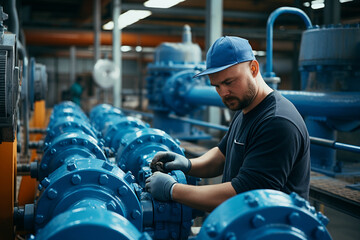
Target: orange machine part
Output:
[(8, 151), (27, 190)]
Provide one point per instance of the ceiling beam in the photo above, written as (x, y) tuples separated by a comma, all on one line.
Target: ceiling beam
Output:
[(194, 12)]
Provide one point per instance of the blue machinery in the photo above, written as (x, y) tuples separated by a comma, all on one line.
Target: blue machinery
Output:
[(330, 74), (92, 171), (92, 175)]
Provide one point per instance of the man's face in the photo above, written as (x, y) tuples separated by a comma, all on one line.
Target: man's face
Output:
[(235, 85)]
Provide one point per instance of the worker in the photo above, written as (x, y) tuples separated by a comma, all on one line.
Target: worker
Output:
[(266, 146), (76, 91)]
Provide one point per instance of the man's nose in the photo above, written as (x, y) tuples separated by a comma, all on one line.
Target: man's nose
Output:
[(223, 91)]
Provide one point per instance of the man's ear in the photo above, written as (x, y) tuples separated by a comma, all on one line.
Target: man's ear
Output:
[(254, 68)]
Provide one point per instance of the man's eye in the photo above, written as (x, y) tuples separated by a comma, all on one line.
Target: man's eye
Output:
[(228, 83)]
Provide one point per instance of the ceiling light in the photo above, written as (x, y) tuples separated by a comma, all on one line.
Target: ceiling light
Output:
[(125, 48), (306, 4), (344, 1), (128, 18), (138, 48), (317, 4), (161, 3)]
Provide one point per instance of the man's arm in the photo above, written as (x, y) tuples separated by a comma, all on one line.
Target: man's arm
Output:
[(210, 164), (205, 198)]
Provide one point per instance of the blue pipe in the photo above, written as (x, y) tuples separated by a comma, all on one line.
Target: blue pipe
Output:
[(269, 34), (337, 105)]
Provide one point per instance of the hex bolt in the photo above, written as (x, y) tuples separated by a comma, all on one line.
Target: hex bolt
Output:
[(174, 235), (103, 179), (107, 166), (39, 218), (322, 218), (135, 214), (123, 190), (252, 202), (53, 151), (45, 182), (129, 177), (319, 232), (71, 166), (161, 208), (152, 138), (76, 179), (52, 193), (86, 142), (43, 166), (294, 218), (258, 221), (111, 206), (230, 236), (211, 230)]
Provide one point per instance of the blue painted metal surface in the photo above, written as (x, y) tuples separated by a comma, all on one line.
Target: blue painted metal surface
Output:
[(88, 183), (135, 145), (169, 76), (265, 214), (87, 196), (269, 74)]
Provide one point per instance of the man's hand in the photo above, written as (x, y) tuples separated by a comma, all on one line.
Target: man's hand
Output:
[(160, 186), (168, 161)]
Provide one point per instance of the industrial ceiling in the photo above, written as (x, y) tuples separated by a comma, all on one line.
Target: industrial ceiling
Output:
[(52, 25)]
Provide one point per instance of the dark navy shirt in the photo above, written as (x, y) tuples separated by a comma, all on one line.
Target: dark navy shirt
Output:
[(268, 148)]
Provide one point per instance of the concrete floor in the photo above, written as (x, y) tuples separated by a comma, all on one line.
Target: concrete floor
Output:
[(342, 226)]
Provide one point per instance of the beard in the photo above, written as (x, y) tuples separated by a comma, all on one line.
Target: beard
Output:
[(234, 103)]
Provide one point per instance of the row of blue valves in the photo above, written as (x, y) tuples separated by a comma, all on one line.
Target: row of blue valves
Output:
[(92, 177)]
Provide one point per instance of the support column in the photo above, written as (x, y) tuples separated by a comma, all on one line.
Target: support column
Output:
[(214, 22), (117, 51), (332, 12)]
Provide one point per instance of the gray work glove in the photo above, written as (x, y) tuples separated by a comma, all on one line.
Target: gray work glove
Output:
[(168, 161), (160, 186)]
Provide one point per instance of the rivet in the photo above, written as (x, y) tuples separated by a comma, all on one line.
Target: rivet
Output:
[(123, 190), (86, 142), (163, 139), (52, 193), (71, 166), (76, 179), (139, 141), (103, 179), (107, 166), (132, 146), (152, 138), (73, 141), (258, 221), (135, 214)]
